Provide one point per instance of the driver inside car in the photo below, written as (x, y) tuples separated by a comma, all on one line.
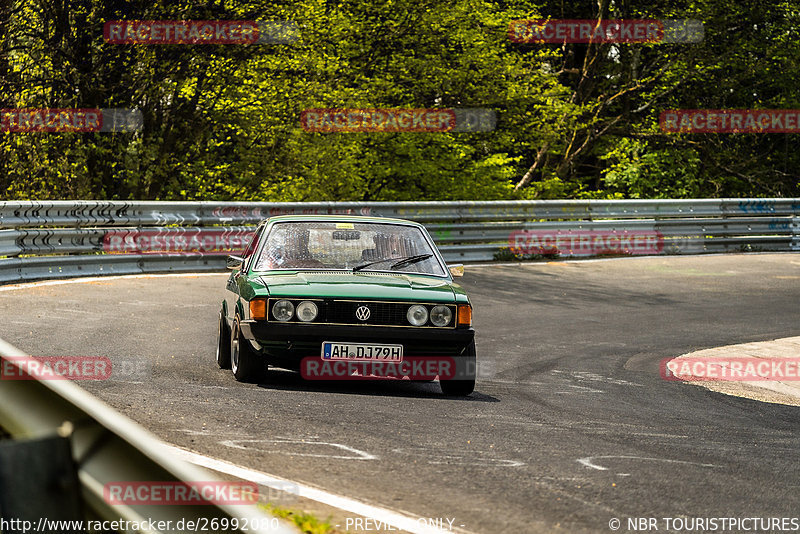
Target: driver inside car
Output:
[(293, 252)]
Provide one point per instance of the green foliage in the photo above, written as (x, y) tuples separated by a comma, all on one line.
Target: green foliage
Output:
[(642, 171), (221, 122), (305, 522), (508, 254)]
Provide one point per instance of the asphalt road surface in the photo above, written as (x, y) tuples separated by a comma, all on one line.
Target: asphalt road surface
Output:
[(574, 427)]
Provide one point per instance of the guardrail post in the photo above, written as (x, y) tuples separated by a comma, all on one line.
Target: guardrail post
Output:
[(795, 245), (38, 478)]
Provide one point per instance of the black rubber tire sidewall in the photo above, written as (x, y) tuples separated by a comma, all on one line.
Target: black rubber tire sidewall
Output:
[(250, 367), (223, 345)]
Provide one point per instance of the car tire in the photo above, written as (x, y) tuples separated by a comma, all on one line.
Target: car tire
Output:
[(464, 381), (247, 366), (223, 344)]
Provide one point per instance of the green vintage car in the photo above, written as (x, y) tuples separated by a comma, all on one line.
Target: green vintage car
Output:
[(350, 297)]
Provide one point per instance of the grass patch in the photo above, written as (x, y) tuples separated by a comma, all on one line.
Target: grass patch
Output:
[(506, 254), (307, 523), (750, 248)]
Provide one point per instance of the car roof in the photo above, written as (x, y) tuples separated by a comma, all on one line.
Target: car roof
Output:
[(340, 218)]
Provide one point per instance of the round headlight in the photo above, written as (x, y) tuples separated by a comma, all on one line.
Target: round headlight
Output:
[(417, 315), (283, 310), (307, 311), (441, 315)]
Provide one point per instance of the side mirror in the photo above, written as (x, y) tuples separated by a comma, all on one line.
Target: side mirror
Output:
[(234, 262), (456, 270)]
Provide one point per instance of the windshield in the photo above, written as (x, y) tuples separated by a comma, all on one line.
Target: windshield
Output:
[(348, 245)]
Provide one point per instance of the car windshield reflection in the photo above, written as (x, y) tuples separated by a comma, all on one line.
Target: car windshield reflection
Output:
[(352, 246)]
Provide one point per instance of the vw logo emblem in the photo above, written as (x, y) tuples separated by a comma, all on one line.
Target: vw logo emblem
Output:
[(362, 313)]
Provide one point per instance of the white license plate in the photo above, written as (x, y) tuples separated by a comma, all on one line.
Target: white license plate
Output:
[(361, 352)]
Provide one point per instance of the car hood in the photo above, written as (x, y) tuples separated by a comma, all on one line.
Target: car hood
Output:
[(360, 285)]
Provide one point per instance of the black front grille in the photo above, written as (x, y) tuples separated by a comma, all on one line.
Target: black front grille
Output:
[(380, 313)]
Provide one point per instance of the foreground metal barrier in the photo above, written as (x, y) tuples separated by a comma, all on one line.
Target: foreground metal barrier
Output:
[(108, 447), (57, 239)]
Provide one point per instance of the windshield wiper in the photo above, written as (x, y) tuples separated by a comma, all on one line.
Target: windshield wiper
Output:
[(404, 261), (410, 260), (365, 265)]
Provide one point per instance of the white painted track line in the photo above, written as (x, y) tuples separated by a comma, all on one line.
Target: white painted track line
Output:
[(387, 517)]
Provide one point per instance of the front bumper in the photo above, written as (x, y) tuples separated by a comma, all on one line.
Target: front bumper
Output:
[(289, 343)]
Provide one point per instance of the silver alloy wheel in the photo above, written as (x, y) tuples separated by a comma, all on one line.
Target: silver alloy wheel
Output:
[(235, 347)]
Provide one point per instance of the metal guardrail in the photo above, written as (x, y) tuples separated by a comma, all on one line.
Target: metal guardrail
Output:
[(56, 239), (108, 447)]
